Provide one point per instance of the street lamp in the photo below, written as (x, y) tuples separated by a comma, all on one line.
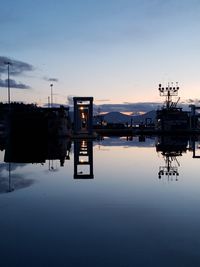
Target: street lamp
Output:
[(8, 64), (51, 85), (49, 105)]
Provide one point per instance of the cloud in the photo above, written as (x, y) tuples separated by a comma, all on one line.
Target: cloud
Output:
[(142, 106), (192, 101), (129, 107), (50, 79), (70, 100), (102, 100), (17, 182), (134, 107), (14, 166), (17, 67), (13, 84)]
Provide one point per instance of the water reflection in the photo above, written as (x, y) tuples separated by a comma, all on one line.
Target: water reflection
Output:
[(194, 146), (45, 150), (83, 159), (33, 150), (127, 141), (75, 223), (171, 147), (10, 180)]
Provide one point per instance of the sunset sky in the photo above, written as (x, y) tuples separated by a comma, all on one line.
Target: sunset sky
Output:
[(117, 51)]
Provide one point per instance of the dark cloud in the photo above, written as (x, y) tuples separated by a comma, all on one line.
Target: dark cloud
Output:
[(13, 84), (134, 107), (17, 67), (141, 106), (192, 101), (125, 107), (129, 107), (50, 79)]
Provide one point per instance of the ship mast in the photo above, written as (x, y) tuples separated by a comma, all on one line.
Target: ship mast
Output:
[(169, 91)]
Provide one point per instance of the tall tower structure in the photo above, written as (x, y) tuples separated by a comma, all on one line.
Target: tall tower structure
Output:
[(83, 115)]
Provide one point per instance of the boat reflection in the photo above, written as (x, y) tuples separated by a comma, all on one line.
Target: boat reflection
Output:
[(172, 147)]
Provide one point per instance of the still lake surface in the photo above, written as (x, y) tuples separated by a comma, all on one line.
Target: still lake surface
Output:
[(138, 205)]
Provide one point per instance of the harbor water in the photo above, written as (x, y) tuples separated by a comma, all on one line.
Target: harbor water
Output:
[(114, 202)]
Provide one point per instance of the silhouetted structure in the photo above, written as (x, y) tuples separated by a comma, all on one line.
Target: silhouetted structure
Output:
[(29, 119), (194, 146), (194, 118), (83, 115), (83, 159), (171, 117)]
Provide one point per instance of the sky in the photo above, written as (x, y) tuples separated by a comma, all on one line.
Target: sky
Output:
[(117, 51)]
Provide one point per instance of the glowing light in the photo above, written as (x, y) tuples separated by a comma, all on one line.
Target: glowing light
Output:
[(83, 143)]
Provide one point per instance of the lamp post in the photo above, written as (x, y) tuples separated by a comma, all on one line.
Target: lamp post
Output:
[(51, 85), (8, 65)]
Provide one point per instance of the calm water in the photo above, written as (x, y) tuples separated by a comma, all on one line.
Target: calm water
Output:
[(119, 214)]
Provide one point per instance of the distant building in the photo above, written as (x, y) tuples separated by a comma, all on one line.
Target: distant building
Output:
[(25, 119)]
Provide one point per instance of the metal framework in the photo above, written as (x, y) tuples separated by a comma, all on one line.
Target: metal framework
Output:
[(169, 91)]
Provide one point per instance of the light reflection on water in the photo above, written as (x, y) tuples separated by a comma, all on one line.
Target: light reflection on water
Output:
[(120, 214)]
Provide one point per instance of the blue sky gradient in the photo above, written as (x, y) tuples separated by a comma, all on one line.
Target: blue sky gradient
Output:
[(115, 50)]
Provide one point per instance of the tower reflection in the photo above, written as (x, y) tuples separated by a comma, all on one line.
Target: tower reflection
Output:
[(83, 159), (194, 146)]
